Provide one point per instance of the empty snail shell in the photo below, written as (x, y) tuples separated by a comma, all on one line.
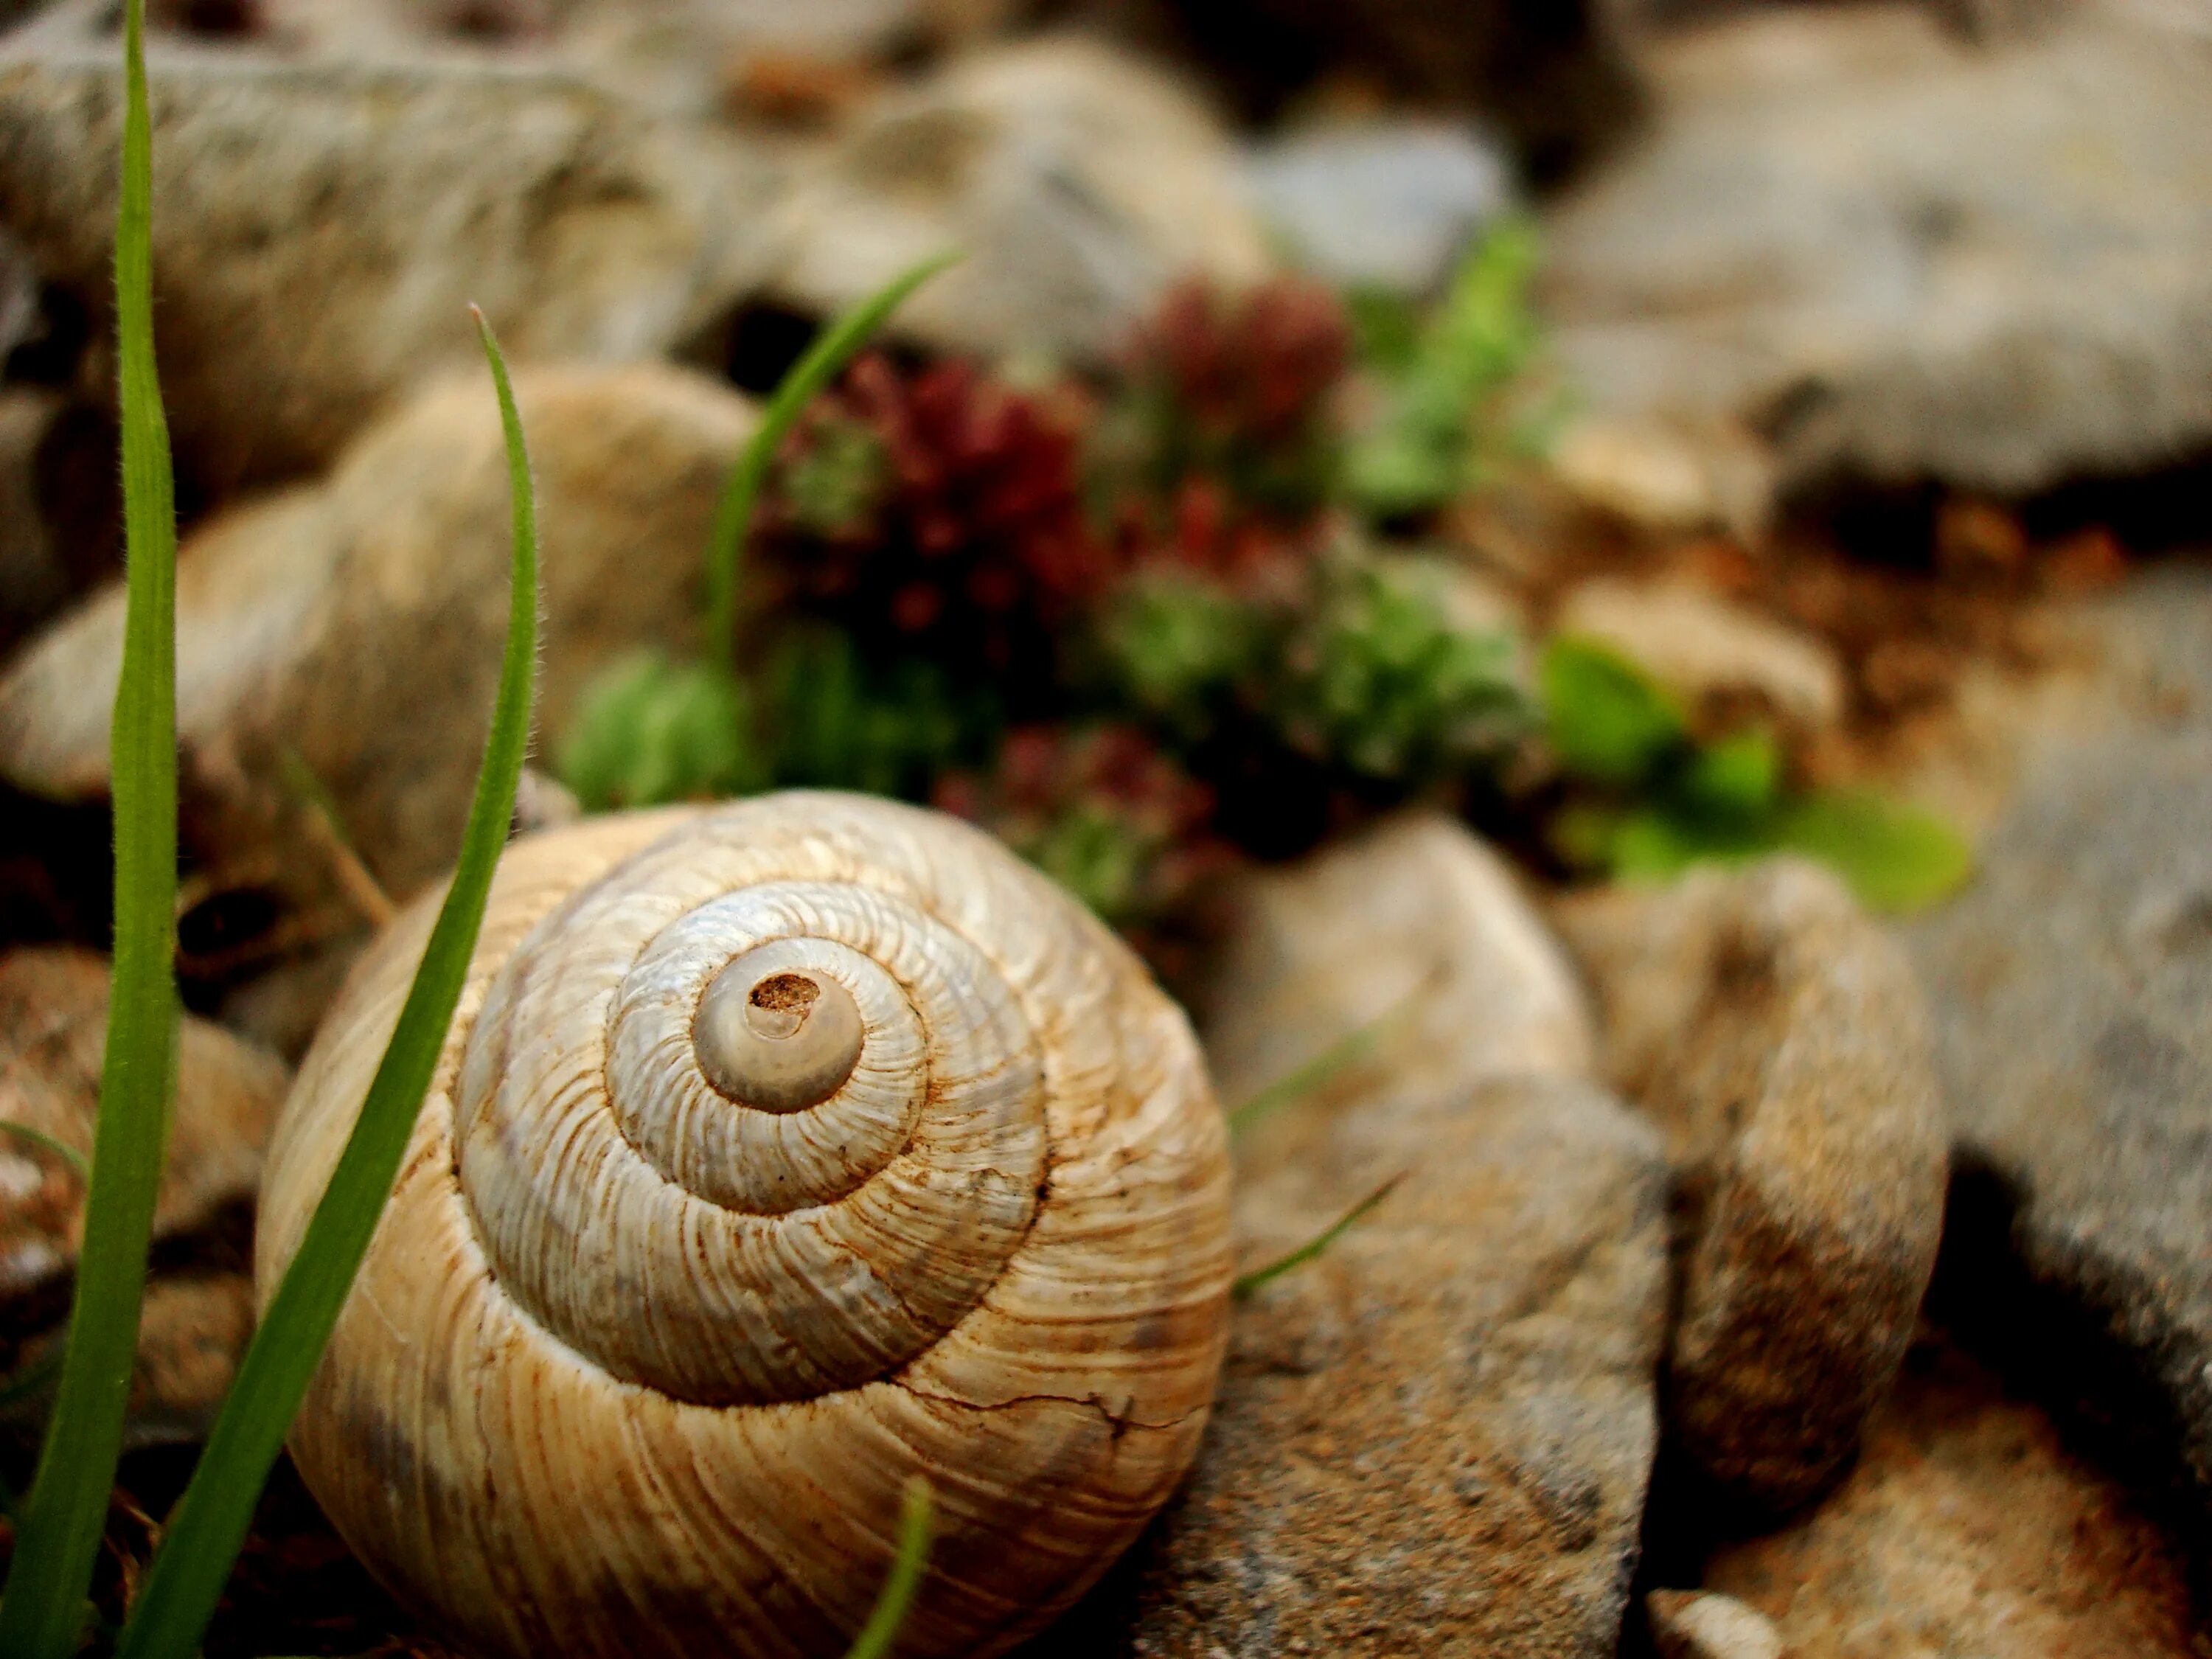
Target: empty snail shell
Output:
[(779, 1152)]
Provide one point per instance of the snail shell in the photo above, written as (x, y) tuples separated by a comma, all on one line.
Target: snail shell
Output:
[(779, 1152)]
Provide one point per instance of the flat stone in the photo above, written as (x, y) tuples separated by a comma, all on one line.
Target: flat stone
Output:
[(358, 624), (1413, 930), (1900, 255), (2072, 986), (1777, 1035), (321, 229), (1968, 1531), (1434, 1439), (53, 1031)]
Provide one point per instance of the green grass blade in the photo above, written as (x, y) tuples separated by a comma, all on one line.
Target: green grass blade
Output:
[(733, 515), (210, 1521), (1245, 1283), (882, 1629), (79, 1164), (42, 1610), (1340, 1056)]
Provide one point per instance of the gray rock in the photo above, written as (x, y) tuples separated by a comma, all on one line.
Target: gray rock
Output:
[(384, 589), (1901, 256), (1434, 1437), (1968, 1531), (1386, 204), (2072, 986), (1777, 1035), (1414, 930), (319, 232), (1701, 1624), (1077, 181)]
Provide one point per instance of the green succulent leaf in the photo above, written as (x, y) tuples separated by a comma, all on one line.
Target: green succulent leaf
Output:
[(649, 732), (1608, 722), (1896, 857), (1736, 780), (1386, 681)]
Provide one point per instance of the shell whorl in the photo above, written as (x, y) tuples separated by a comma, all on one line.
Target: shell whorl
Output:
[(779, 1151), (819, 1248)]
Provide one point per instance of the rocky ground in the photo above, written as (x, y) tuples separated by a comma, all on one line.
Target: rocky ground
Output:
[(1756, 1274)]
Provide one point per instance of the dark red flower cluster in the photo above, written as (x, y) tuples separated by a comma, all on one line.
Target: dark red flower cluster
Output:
[(959, 530), (1255, 370)]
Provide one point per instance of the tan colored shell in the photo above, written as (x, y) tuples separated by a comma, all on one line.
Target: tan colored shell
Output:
[(633, 1367)]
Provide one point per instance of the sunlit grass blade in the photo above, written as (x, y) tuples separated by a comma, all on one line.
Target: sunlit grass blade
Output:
[(882, 1629), (1246, 1284), (79, 1164), (42, 1610), (1340, 1056), (210, 1521), (733, 515)]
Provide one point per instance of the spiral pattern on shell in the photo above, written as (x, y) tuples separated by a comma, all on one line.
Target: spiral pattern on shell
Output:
[(779, 1152)]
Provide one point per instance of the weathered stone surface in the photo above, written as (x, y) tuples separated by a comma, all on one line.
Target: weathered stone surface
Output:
[(1702, 1625), (1900, 255), (1779, 1039), (1434, 1439), (358, 623), (322, 230), (53, 1026), (1414, 924), (1966, 1532), (1725, 662), (2072, 986), (1078, 181)]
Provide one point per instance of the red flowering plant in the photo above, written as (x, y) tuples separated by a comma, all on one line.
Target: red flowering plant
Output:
[(936, 514)]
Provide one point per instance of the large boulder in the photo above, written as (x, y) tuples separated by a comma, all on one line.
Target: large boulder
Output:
[(320, 230), (2072, 986), (1898, 255)]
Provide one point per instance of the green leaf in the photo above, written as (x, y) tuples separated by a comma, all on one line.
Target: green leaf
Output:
[(876, 1637), (210, 1523), (1737, 779), (1652, 843), (1246, 1284), (733, 516), (1608, 722), (1896, 857), (649, 731), (42, 1611)]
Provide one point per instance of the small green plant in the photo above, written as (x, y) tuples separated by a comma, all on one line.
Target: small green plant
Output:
[(1650, 798), (1379, 678), (1442, 380), (651, 730)]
